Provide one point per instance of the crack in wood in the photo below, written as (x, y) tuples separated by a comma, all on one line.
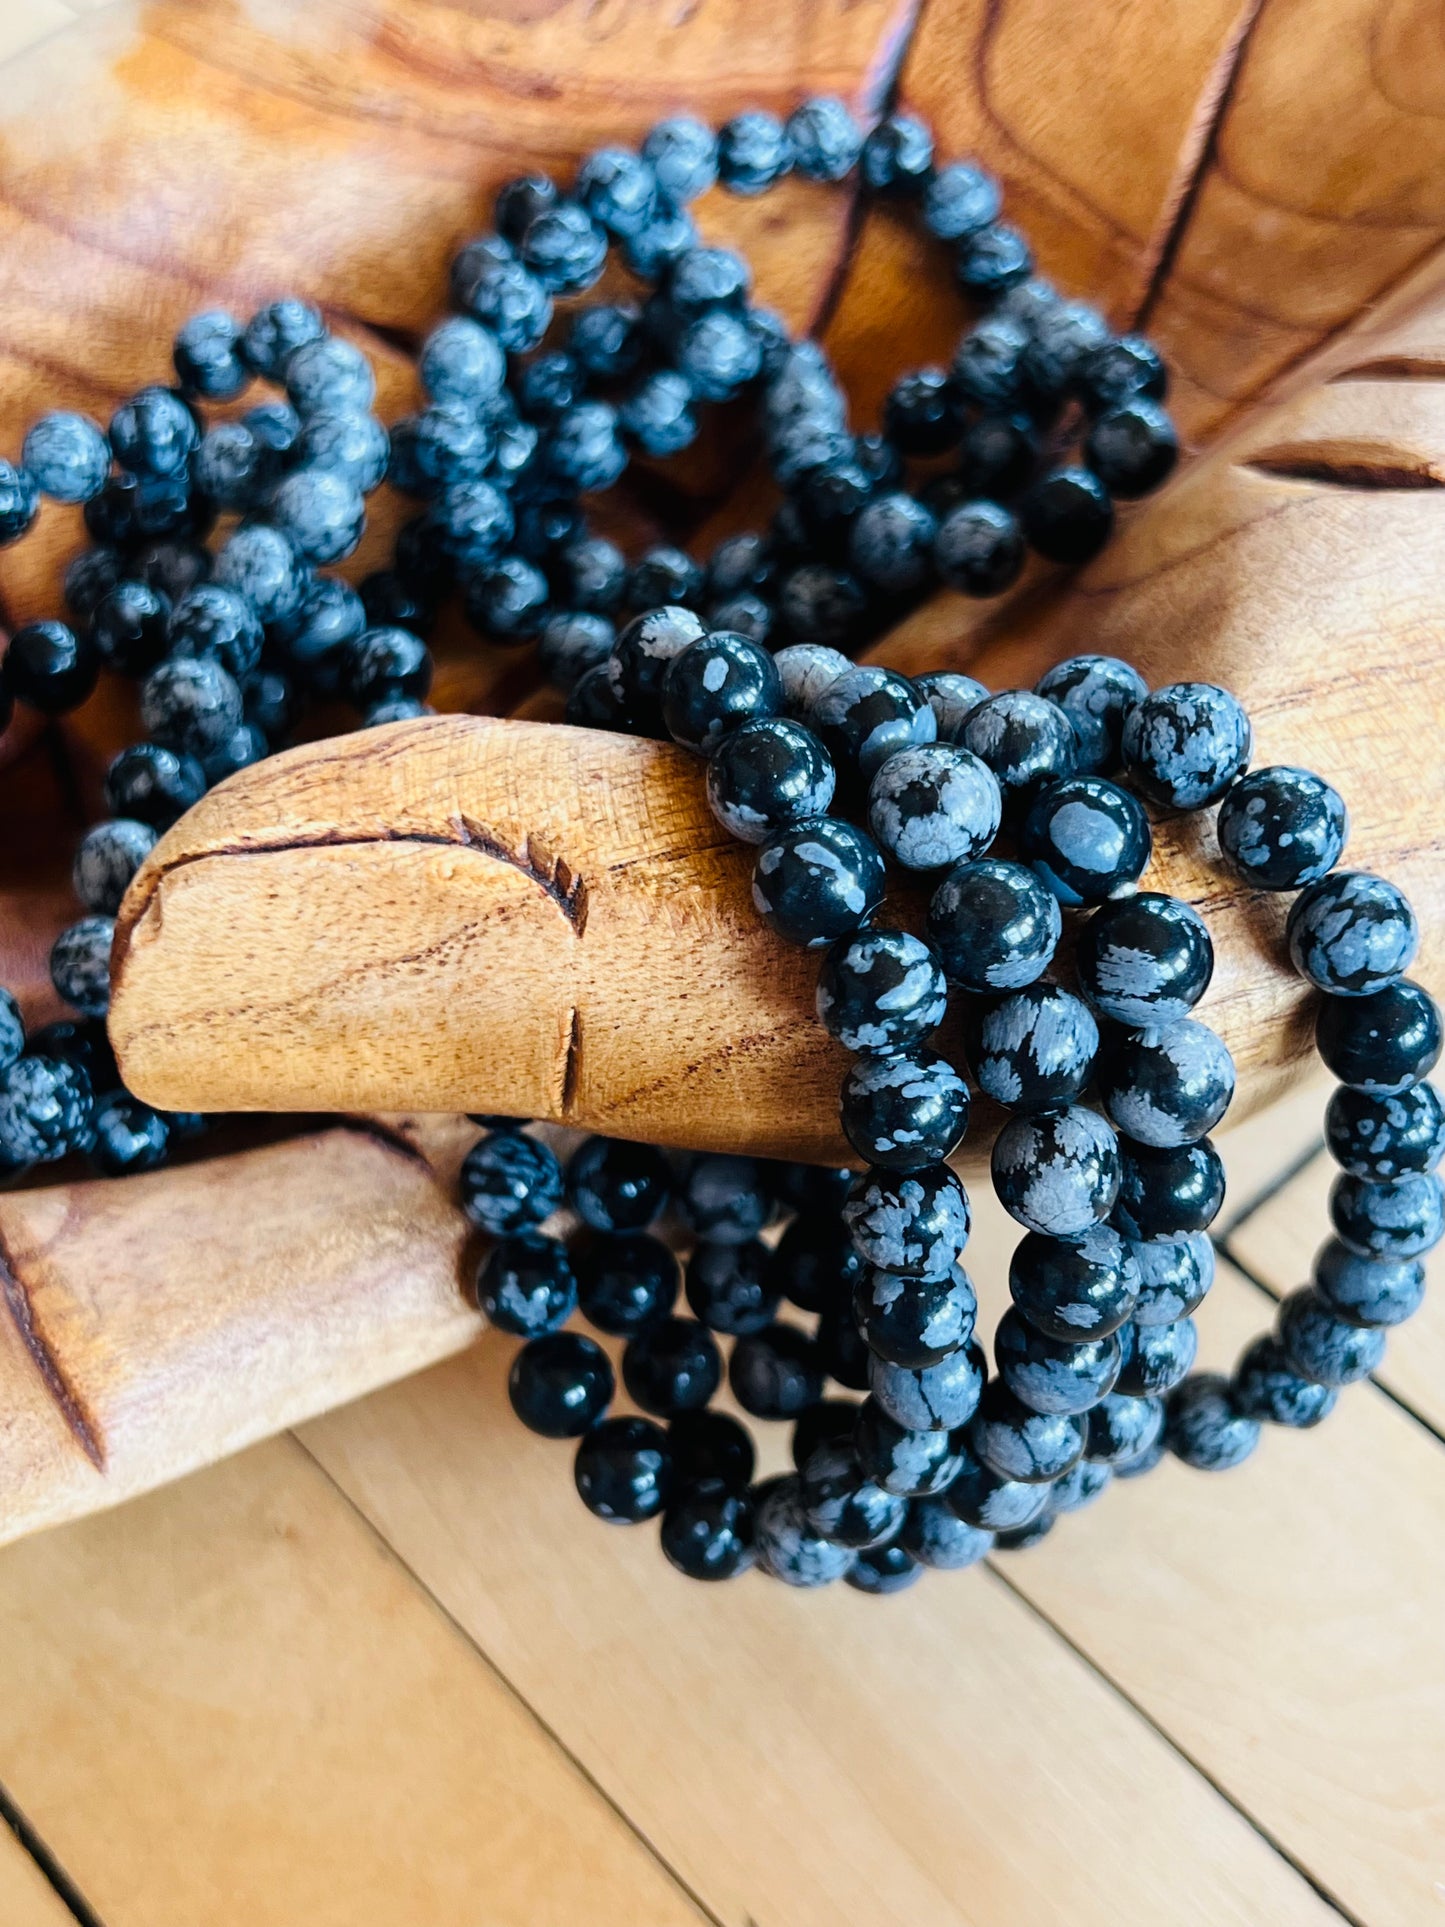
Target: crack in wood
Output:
[(1379, 475), (572, 1064), (62, 1393)]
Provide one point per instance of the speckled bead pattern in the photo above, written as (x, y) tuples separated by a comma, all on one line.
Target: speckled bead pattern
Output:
[(1035, 1049), (1351, 934), (933, 806), (1057, 1173), (1087, 839)]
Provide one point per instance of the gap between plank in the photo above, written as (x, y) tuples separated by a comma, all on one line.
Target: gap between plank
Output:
[(653, 1852), (1257, 1200), (1136, 1706), (64, 1888)]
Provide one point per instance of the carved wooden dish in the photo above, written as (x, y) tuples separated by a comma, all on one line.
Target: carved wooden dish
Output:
[(1257, 189)]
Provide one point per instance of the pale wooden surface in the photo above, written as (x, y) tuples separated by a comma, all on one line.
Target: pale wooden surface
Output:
[(1207, 1702)]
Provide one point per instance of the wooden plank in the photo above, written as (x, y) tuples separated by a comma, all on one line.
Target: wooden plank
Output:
[(1283, 1624), (231, 1704), (1278, 1243), (801, 1759), (27, 1898)]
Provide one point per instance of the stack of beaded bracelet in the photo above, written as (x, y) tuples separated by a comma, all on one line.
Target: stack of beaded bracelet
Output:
[(1092, 1366)]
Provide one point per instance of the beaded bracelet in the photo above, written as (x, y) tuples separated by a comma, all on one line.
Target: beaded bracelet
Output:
[(536, 433)]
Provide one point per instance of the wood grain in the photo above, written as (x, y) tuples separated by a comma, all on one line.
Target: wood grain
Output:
[(233, 1704), (153, 1326)]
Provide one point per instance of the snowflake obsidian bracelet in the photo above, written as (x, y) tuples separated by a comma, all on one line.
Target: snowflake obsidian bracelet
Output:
[(1007, 802)]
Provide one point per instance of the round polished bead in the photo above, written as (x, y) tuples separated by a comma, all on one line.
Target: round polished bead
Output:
[(192, 707), (1146, 1461), (988, 1501), (80, 965), (1156, 1357), (883, 1570), (987, 365), (1074, 1291), (1388, 1217), (725, 1199), (1352, 934), (1067, 515), (960, 200), (1122, 368), (615, 1185), (1132, 448), (776, 1373), (936, 1537), (1087, 839), (1368, 1291), (753, 151), (1085, 1481), (509, 1182), (1016, 1444), (672, 1365), (933, 806), (952, 698), (730, 1287), (897, 156), (625, 1280), (573, 643), (819, 603), (842, 1349), (930, 1398), (905, 1110), (814, 1264), (890, 544), (710, 1445), (1048, 1375), (1096, 693), (623, 1470), (1323, 1346), (1382, 1043), (526, 1285), (826, 1423), (915, 1321), (1265, 1385), (12, 1031), (682, 154), (766, 775), (48, 666), (988, 264), (385, 662), (560, 1384), (644, 650), (922, 415), (129, 628), (806, 670), (1185, 744), (841, 1502), (994, 925), (870, 714), (817, 879), (1166, 1193), (997, 459), (1145, 961), (1024, 739), (707, 1530), (1386, 1137), (881, 990), (127, 1136), (153, 785), (1205, 1429), (1122, 1428), (901, 1459), (1280, 828), (912, 1222), (66, 456), (1169, 1086), (1035, 1049), (213, 623), (978, 548), (717, 684), (1174, 1277), (1057, 1172), (788, 1548)]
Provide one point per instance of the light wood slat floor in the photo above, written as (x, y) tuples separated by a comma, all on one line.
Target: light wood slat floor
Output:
[(386, 1673)]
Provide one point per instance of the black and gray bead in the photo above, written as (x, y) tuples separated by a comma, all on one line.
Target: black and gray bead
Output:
[(937, 1538), (107, 859), (1035, 1049), (806, 669), (841, 1503), (984, 1499), (787, 1546), (1205, 1428), (1174, 1276), (1057, 1172), (1050, 1375), (905, 1110), (1388, 1217), (1280, 828), (952, 697), (816, 880), (1323, 1346), (934, 806), (1164, 1193), (1024, 739), (1076, 1290), (1096, 693), (1382, 1043), (1087, 839), (1086, 1480), (912, 1222), (1168, 1086), (881, 990), (1145, 960), (1368, 1291), (994, 925), (1016, 1444), (868, 715), (766, 775), (1185, 744), (1352, 933), (1122, 1428), (911, 1463), (1381, 1137), (1265, 1385), (80, 965), (930, 1398), (915, 1321)]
